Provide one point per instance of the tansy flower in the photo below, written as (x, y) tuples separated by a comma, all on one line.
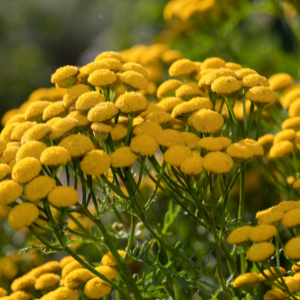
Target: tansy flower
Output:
[(217, 162), (3, 292), (266, 140), (233, 66), (9, 155), (292, 248), (241, 73), (169, 103), (23, 283), (122, 157), (136, 68), (175, 155), (169, 138), (49, 267), (63, 196), (64, 293), (96, 288), (253, 80), (18, 118), (276, 295), (39, 188), (102, 78), (191, 139), (83, 122), (148, 128), (77, 278), (192, 165), (109, 260), (10, 190), (152, 107), (260, 252), (22, 215), (296, 268), (239, 152), (55, 156), (62, 127), (68, 259), (188, 91), (262, 233), (107, 271), (53, 110), (291, 123), (211, 144), (186, 108), (239, 235), (207, 121), (74, 93), (36, 109), (47, 281), (182, 68), (144, 144), (280, 81), (285, 206), (26, 169), (20, 129), (284, 135), (36, 133), (3, 144), (287, 99), (213, 63), (271, 217), (101, 130), (170, 56), (292, 283), (167, 88), (85, 71), (290, 180), (95, 163), (268, 274), (296, 184), (7, 131), (281, 149), (291, 218), (226, 85), (4, 171), (62, 75), (159, 117), (31, 149), (102, 112), (246, 282), (52, 121), (114, 64), (134, 80), (110, 54), (294, 109), (132, 103), (118, 132), (209, 78), (77, 145), (89, 100), (261, 95)]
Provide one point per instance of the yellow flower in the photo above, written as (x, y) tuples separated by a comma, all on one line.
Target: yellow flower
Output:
[(107, 271), (276, 295), (246, 282), (55, 156), (63, 196), (95, 163), (77, 145), (114, 64), (191, 139), (290, 180), (253, 80), (7, 131), (280, 81), (4, 211), (213, 63), (10, 190), (284, 135), (64, 293), (110, 54), (81, 118), (148, 128), (239, 235), (296, 184), (233, 66), (102, 78), (175, 155), (101, 128), (36, 133), (102, 112), (20, 129), (271, 217), (23, 283), (77, 278), (192, 165), (207, 121), (226, 85), (170, 138), (294, 109), (22, 215), (152, 107), (292, 283), (239, 152), (291, 218), (122, 157), (288, 98), (53, 110), (281, 149), (49, 267), (291, 123), (3, 292), (26, 169), (260, 252), (217, 162), (262, 233), (241, 73), (296, 268), (167, 88), (96, 288), (47, 281), (209, 78), (292, 248), (169, 103), (39, 188), (135, 67), (144, 144), (118, 132), (134, 80), (18, 118), (89, 100), (2, 145), (9, 155), (266, 140), (74, 93), (85, 71), (182, 68), (188, 91), (64, 73), (35, 110), (268, 274), (4, 171), (66, 260), (62, 127), (261, 95), (213, 143), (170, 56), (31, 149), (159, 117), (285, 206), (109, 260), (132, 103)]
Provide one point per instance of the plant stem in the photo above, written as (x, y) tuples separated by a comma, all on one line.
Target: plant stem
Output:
[(130, 121), (250, 119), (259, 113)]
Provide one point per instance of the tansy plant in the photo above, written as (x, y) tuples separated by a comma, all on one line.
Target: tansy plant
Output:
[(72, 156)]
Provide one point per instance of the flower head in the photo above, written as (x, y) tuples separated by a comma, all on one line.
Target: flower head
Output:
[(266, 140), (291, 218), (64, 73), (89, 100), (207, 121), (81, 118), (53, 110), (209, 78), (96, 288), (239, 152), (20, 129), (62, 127), (63, 196), (7, 131), (233, 66), (118, 132), (148, 128), (284, 135), (9, 155), (134, 80), (4, 171), (212, 143), (36, 133), (3, 144), (192, 165), (191, 139), (246, 281), (64, 293), (36, 109), (167, 88), (31, 149), (241, 73), (159, 117), (109, 260), (276, 295), (74, 93), (23, 283), (107, 271), (102, 78), (261, 95), (188, 91), (213, 63), (271, 217), (260, 252), (46, 281), (132, 103), (110, 54), (10, 191), (240, 235), (169, 103), (77, 278), (55, 156), (39, 188), (95, 163), (169, 138), (145, 145), (226, 85), (175, 155), (281, 149), (217, 162), (182, 68), (122, 157), (262, 233), (26, 169), (280, 81), (253, 80), (69, 267), (102, 112), (152, 107), (268, 274), (114, 64)]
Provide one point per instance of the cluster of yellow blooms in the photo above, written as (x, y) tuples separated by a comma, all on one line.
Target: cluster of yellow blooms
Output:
[(99, 122)]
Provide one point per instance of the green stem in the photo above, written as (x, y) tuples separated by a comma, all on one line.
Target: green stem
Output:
[(250, 119), (130, 121), (244, 111), (131, 237), (259, 113)]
